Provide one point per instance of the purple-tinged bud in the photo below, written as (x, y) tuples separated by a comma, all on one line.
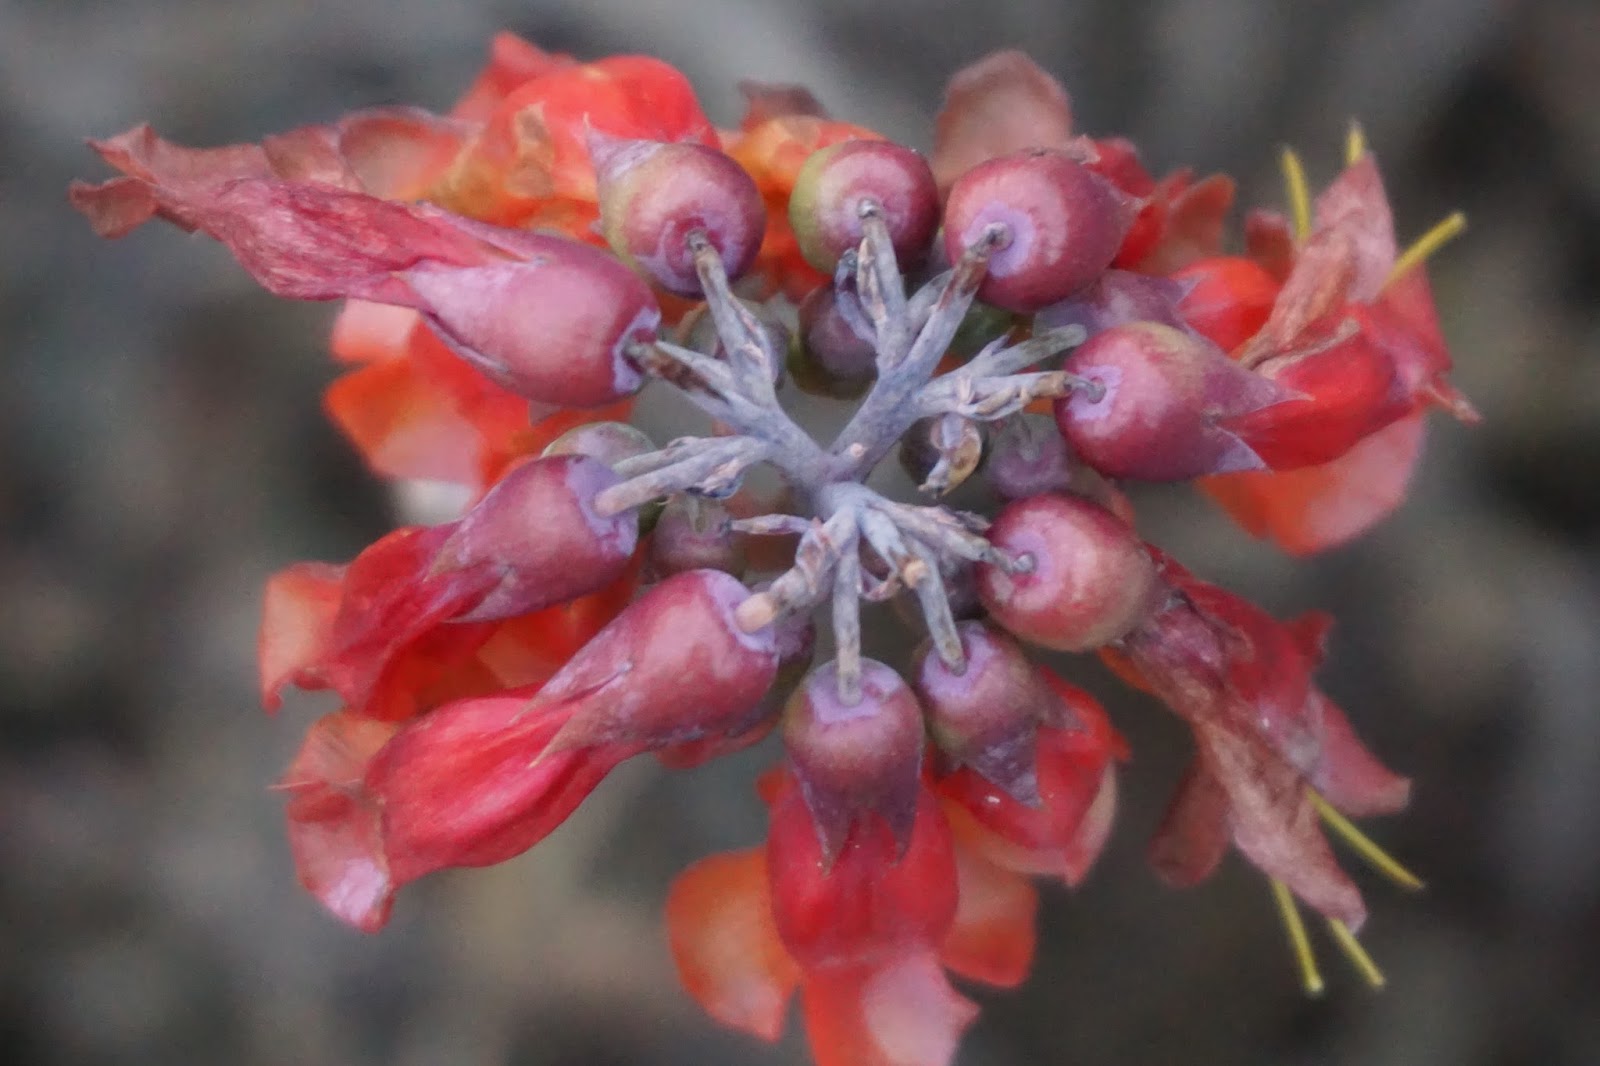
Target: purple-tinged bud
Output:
[(1082, 577), (988, 715), (1118, 298), (854, 758), (941, 451), (653, 195), (1061, 225), (1165, 398), (836, 181), (538, 531), (696, 534), (1028, 456), (830, 357), (674, 666), (554, 326)]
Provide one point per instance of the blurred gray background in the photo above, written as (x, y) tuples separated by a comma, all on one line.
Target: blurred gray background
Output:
[(162, 451)]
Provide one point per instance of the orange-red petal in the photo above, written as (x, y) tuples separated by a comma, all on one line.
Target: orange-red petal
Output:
[(729, 957)]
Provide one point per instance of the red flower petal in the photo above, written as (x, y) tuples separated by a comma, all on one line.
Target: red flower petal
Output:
[(333, 824), (873, 903), (729, 957), (904, 1013), (471, 784), (998, 105), (1320, 507), (512, 63), (993, 936), (1193, 835), (1275, 824), (298, 610)]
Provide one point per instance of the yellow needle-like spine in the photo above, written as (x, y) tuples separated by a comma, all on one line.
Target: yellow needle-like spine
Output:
[(1364, 846), (1424, 246), (1294, 180), (1299, 942), (1355, 144), (1356, 953)]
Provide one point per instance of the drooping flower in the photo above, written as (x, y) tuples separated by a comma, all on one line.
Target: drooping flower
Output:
[(479, 780), (864, 940), (1274, 753), (1353, 330), (412, 616)]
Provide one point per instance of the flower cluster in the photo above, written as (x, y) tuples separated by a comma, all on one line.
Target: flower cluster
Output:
[(1029, 305)]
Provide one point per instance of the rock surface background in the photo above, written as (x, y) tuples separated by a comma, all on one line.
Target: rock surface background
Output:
[(162, 451)]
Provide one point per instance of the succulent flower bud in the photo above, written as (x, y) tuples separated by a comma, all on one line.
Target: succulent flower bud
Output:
[(1117, 298), (836, 181), (854, 758), (694, 533), (830, 356), (539, 533), (1163, 407), (1061, 226), (1028, 456), (674, 666), (986, 716), (555, 328), (1083, 578), (654, 195)]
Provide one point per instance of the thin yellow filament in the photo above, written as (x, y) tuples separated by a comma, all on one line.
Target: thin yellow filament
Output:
[(1355, 144), (1425, 245), (1294, 178), (1299, 942), (1363, 845), (1356, 953)]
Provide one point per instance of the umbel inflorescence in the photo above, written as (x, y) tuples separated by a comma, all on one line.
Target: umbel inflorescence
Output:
[(1029, 305)]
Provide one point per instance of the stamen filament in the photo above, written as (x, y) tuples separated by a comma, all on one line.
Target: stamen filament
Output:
[(1294, 179), (1424, 246), (1356, 953), (1355, 144), (1364, 846), (1299, 942)]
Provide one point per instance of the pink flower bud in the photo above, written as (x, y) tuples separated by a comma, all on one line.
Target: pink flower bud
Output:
[(1165, 400), (1086, 580), (674, 666), (854, 758), (987, 716), (654, 195), (537, 531), (1062, 225), (696, 534), (830, 190), (1117, 298), (553, 325)]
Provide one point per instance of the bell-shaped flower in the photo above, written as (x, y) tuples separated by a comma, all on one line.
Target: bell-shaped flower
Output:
[(1274, 753), (547, 318), (389, 630), (477, 781), (1029, 780), (1353, 331), (865, 941)]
